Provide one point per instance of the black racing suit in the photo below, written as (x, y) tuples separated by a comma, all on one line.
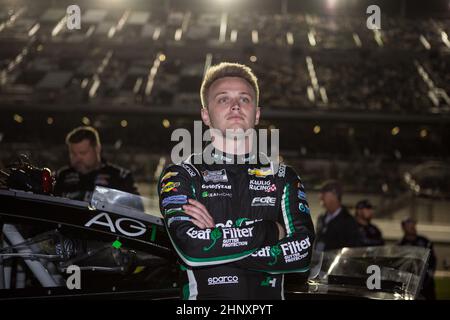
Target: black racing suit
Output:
[(76, 186), (241, 258), (371, 235)]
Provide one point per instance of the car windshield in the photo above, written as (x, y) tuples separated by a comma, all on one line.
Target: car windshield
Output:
[(387, 272)]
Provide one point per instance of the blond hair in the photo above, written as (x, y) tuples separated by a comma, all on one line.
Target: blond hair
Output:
[(227, 69)]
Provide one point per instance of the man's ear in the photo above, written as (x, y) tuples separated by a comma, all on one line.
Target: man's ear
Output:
[(205, 117), (258, 113)]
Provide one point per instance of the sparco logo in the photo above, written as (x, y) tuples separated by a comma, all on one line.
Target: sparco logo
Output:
[(263, 201), (222, 280), (188, 169), (282, 171)]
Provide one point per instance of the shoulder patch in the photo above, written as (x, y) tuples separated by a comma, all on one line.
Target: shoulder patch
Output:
[(282, 171), (190, 169)]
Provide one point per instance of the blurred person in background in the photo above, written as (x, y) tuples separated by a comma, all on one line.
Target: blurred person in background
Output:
[(88, 169), (336, 228), (371, 235), (411, 238)]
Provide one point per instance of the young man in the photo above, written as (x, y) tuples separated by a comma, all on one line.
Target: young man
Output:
[(237, 227), (87, 169), (371, 235)]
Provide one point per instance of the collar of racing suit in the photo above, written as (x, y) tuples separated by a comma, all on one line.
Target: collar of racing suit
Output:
[(220, 158)]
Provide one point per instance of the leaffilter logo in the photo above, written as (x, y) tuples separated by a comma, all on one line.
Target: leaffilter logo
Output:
[(216, 234), (275, 251)]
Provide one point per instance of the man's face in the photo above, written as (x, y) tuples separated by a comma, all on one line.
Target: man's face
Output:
[(410, 228), (231, 105), (83, 156), (366, 213), (328, 200)]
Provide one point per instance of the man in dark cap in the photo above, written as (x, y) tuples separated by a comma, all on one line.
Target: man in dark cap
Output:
[(411, 238), (371, 235), (336, 228)]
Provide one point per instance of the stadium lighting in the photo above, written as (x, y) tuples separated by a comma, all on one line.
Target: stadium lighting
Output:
[(86, 121), (395, 131), (316, 129), (423, 133), (33, 30), (18, 118)]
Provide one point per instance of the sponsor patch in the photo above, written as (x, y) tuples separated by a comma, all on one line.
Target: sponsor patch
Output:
[(216, 186), (188, 169), (231, 237), (282, 171), (260, 172), (263, 202), (213, 281), (170, 186), (269, 282), (168, 175), (291, 251), (207, 194), (173, 219), (302, 195), (262, 185), (215, 176), (178, 199), (173, 211), (303, 208)]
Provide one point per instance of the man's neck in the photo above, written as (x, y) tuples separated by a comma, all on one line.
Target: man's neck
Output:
[(362, 221), (95, 168), (333, 209), (240, 145)]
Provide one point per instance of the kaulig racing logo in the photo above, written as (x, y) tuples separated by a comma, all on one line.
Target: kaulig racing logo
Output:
[(231, 236)]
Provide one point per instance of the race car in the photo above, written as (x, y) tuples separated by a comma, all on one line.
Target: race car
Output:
[(55, 247)]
